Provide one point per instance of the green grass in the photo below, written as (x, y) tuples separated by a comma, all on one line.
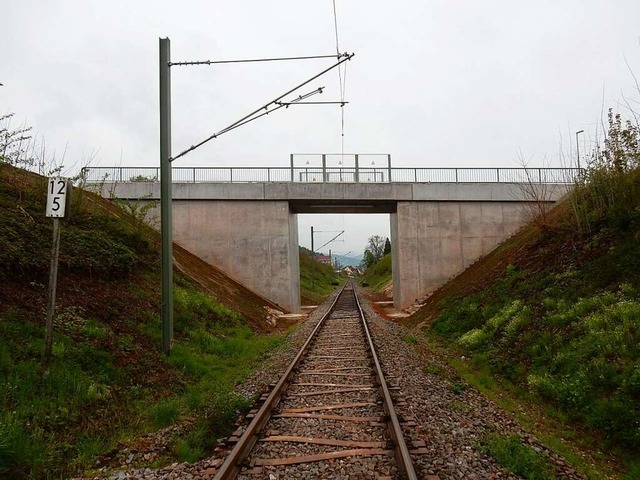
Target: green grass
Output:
[(48, 422), (378, 275), (581, 355), (410, 338), (633, 472), (569, 337), (457, 387), (40, 411), (188, 449), (433, 369), (552, 426), (216, 352), (43, 414), (95, 330), (316, 281), (518, 458), (166, 413), (108, 381)]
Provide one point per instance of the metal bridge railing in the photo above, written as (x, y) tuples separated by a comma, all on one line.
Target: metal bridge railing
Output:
[(333, 175)]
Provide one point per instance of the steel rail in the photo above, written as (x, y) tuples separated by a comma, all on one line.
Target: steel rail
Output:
[(403, 458), (231, 466)]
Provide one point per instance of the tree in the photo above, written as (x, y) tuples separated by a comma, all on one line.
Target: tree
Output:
[(387, 247), (621, 151), (368, 259), (375, 246), (16, 146)]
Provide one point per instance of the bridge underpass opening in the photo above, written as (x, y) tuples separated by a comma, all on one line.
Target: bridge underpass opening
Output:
[(249, 230), (348, 247)]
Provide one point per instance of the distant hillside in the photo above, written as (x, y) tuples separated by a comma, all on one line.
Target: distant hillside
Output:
[(378, 275), (352, 260), (109, 380), (316, 281)]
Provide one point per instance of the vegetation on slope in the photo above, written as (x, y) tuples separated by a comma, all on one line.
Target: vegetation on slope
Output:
[(378, 275), (556, 311), (377, 261), (316, 281), (108, 380)]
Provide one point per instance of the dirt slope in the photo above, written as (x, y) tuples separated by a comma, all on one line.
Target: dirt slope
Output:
[(256, 309), (528, 248)]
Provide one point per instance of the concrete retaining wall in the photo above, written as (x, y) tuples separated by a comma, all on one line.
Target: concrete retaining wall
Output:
[(433, 241), (255, 243)]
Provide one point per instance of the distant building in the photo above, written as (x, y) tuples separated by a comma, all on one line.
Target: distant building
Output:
[(351, 271), (326, 259)]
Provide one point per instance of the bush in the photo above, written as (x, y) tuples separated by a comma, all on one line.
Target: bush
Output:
[(618, 418), (581, 356), (610, 192), (378, 274), (474, 339)]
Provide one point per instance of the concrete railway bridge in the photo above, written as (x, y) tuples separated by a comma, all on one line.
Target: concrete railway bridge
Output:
[(243, 220)]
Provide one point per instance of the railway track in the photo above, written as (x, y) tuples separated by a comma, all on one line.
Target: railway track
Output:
[(330, 415)]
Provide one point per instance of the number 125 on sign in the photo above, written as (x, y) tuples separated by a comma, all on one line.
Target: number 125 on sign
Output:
[(57, 191)]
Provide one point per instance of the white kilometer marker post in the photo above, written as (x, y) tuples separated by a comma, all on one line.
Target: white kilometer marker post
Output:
[(58, 193)]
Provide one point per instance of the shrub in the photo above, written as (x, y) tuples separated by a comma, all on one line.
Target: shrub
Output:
[(619, 420), (610, 192), (474, 339)]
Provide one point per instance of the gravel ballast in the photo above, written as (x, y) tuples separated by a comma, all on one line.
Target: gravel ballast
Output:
[(444, 426)]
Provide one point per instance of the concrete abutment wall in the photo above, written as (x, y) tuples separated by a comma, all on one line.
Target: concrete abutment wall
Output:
[(434, 241), (256, 243)]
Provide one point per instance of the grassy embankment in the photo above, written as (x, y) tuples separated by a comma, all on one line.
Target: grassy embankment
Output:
[(316, 281), (378, 275), (553, 314), (108, 380)]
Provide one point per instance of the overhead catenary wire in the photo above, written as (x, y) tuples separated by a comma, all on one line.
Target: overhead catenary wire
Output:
[(264, 110), (267, 111), (252, 60), (335, 24), (341, 79), (320, 248), (240, 123), (286, 104)]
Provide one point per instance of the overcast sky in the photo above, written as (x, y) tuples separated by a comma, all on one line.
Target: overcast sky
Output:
[(433, 83)]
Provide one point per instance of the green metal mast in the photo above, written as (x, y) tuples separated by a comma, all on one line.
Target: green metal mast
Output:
[(166, 196)]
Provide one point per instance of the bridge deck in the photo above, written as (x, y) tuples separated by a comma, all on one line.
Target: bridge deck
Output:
[(340, 197)]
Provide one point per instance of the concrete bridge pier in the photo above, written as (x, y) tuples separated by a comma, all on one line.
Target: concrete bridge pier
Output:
[(255, 243), (433, 241)]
